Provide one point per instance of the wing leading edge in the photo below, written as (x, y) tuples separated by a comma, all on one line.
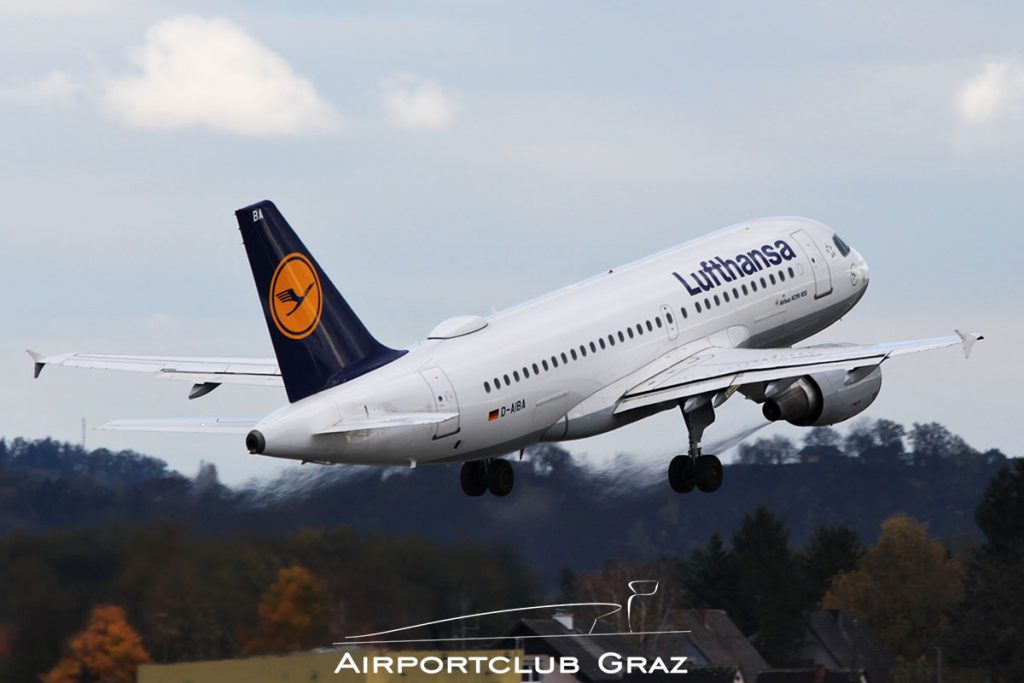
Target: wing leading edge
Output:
[(726, 369)]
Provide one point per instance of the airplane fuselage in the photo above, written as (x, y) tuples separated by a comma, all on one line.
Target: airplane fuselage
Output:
[(554, 368)]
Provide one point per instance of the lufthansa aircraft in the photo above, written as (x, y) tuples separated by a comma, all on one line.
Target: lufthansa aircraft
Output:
[(686, 328)]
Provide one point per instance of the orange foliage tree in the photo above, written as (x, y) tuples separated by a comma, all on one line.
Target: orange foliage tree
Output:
[(905, 586), (293, 613), (108, 650)]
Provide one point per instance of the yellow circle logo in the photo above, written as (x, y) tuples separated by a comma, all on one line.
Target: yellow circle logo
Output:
[(296, 302)]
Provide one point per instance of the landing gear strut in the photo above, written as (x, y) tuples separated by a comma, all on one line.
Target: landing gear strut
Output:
[(696, 468), (480, 476)]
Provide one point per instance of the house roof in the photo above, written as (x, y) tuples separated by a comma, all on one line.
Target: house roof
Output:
[(815, 675), (585, 646), (714, 635), (842, 640)]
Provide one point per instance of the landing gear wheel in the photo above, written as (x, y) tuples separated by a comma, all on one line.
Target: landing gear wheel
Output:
[(473, 478), (500, 477), (680, 474), (708, 473)]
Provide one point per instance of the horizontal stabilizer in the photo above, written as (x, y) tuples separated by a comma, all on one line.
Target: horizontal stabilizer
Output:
[(195, 369), (389, 421), (206, 425)]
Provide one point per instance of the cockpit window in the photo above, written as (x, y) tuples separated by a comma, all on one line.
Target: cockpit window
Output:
[(844, 248)]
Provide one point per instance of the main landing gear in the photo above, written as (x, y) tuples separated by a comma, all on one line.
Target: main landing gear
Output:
[(695, 468), (494, 475)]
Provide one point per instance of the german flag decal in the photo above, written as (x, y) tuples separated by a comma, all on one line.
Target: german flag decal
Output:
[(492, 416)]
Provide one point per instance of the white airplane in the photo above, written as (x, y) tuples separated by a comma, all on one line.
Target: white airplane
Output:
[(686, 328)]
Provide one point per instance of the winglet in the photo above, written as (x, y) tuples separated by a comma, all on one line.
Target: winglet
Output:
[(967, 339), (37, 358)]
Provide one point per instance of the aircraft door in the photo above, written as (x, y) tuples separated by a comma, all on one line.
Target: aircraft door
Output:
[(445, 400), (819, 266), (670, 322)]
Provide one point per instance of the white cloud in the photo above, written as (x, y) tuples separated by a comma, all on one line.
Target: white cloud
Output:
[(199, 72), (56, 88), (986, 94), (417, 103)]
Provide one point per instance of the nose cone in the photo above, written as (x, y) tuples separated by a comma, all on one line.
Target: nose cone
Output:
[(859, 276)]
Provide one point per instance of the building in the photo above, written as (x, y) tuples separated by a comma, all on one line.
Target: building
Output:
[(601, 654), (711, 639), (841, 641)]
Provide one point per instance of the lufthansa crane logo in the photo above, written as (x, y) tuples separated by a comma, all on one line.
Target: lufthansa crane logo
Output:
[(296, 300)]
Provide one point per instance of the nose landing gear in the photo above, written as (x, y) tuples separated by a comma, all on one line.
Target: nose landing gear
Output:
[(695, 468)]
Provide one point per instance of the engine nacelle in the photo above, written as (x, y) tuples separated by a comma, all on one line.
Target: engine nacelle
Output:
[(825, 398)]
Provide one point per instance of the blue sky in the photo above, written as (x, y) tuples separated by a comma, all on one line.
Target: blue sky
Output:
[(459, 157)]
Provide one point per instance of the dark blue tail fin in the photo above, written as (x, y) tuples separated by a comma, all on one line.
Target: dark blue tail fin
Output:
[(318, 340)]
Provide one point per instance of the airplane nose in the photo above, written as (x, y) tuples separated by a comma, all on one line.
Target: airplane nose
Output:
[(859, 275)]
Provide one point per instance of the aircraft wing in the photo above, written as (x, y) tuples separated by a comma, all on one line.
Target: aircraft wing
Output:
[(206, 374), (726, 369), (206, 425)]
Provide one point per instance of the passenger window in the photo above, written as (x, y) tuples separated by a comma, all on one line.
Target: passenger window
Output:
[(735, 293), (697, 304), (487, 387), (657, 321), (725, 295), (764, 284), (717, 302), (707, 303), (753, 286), (771, 278), (622, 337), (639, 328), (515, 375), (668, 317), (782, 276), (791, 275), (611, 340), (565, 359), (744, 290), (601, 342), (650, 327), (583, 350), (526, 373), (593, 347), (536, 370), (507, 380), (554, 361), (630, 331), (544, 364), (683, 311)]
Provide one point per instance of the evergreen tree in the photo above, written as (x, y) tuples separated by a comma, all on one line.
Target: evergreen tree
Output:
[(769, 598), (991, 619)]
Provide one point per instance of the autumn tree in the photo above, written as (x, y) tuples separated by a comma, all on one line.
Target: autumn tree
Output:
[(293, 613), (108, 651), (904, 586)]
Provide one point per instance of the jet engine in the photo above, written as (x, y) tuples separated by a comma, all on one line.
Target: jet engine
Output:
[(824, 398)]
